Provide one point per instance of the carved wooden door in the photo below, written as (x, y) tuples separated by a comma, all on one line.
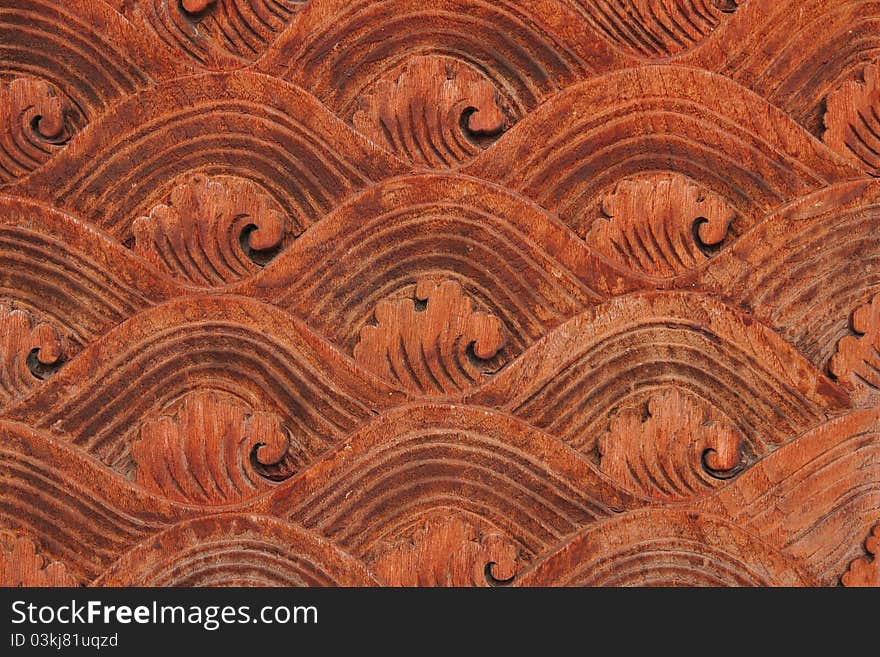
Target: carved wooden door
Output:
[(523, 292)]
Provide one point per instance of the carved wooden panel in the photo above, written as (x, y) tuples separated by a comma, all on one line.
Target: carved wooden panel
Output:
[(524, 292)]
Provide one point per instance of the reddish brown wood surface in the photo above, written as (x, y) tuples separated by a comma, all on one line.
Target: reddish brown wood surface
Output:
[(528, 292)]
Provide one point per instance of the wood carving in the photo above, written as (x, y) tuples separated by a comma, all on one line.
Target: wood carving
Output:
[(448, 551), (436, 113), (852, 120), (212, 232), (211, 452), (656, 28), (20, 565), (433, 351), (865, 571), (35, 121), (29, 351), (857, 360), (669, 450), (359, 293), (660, 226)]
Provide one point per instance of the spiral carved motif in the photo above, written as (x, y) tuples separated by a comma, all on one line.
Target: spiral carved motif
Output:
[(30, 350), (36, 120), (212, 451), (661, 225), (673, 453), (432, 351), (211, 232), (437, 113)]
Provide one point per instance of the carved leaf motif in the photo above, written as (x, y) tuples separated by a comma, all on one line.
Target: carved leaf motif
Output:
[(448, 550), (215, 34), (438, 113), (857, 360), (433, 351), (865, 571), (661, 225), (36, 120), (21, 565), (657, 28), (212, 451), (198, 236), (30, 350), (852, 120), (677, 452)]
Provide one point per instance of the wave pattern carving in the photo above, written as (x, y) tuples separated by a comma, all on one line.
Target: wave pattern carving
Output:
[(465, 293)]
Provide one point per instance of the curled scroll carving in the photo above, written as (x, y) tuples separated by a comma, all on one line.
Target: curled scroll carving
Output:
[(448, 550), (438, 112), (435, 344), (673, 449), (30, 350), (212, 451), (661, 225), (212, 231), (36, 120)]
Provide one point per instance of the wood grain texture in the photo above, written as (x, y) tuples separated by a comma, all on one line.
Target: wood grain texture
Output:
[(362, 293)]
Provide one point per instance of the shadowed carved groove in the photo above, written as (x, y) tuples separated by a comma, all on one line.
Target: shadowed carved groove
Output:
[(65, 499), (85, 49), (141, 367), (439, 227), (339, 49), (665, 548), (569, 382), (58, 267), (793, 53), (805, 267), (655, 119), (238, 124), (835, 466), (236, 550), (656, 28), (414, 460)]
